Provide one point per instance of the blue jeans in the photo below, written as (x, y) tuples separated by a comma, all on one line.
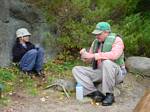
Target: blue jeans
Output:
[(32, 60)]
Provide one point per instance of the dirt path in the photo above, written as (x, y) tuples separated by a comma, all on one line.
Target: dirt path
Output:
[(52, 101)]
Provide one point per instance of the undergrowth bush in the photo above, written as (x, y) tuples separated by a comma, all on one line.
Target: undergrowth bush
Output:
[(74, 20), (136, 32)]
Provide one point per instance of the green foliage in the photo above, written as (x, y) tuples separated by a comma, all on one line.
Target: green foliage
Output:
[(59, 66), (30, 86), (74, 21), (7, 78), (76, 35), (60, 69), (11, 81), (136, 32), (130, 33)]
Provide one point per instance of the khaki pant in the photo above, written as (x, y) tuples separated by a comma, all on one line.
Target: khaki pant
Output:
[(108, 73)]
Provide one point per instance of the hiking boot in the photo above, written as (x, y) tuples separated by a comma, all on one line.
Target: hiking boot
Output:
[(40, 74), (29, 73), (109, 99), (97, 96)]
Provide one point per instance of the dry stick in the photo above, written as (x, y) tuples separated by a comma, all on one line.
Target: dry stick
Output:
[(140, 74), (56, 84)]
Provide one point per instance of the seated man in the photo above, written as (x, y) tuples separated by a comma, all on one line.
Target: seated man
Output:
[(30, 58), (106, 54)]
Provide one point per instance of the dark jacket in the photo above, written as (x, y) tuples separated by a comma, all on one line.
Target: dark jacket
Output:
[(18, 50)]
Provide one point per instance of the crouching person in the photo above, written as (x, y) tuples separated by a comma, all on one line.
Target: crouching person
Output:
[(106, 55), (29, 57)]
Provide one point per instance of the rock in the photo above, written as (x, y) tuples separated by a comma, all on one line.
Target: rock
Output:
[(139, 65), (15, 14)]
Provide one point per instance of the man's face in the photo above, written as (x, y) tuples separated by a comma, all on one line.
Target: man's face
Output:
[(101, 37)]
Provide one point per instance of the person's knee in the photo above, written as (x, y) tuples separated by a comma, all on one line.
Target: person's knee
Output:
[(105, 63), (75, 69), (41, 50), (32, 52)]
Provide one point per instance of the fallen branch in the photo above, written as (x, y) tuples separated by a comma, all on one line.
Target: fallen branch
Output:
[(56, 84)]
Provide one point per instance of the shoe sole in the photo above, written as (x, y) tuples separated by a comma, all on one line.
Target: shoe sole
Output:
[(108, 104)]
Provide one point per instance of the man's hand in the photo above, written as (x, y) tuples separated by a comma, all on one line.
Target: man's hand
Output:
[(86, 55), (83, 52), (86, 60)]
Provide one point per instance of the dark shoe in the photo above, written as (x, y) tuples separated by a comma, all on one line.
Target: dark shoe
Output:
[(26, 73), (109, 99), (97, 96), (40, 74)]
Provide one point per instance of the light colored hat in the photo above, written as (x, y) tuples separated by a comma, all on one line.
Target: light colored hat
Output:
[(22, 32), (100, 27)]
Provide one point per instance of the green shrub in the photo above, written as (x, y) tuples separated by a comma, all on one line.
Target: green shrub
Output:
[(74, 21), (136, 32)]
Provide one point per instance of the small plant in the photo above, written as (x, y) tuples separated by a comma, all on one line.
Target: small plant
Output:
[(7, 78), (4, 101), (11, 81)]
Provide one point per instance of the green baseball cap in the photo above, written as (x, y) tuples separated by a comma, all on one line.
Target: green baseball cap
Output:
[(100, 27)]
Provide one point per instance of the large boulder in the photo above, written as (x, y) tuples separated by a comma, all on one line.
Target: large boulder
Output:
[(15, 14), (140, 65)]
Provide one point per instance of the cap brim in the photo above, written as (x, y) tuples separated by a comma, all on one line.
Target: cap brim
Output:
[(97, 32), (29, 34)]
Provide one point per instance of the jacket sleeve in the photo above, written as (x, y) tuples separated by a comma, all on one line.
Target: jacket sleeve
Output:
[(30, 46), (17, 53)]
